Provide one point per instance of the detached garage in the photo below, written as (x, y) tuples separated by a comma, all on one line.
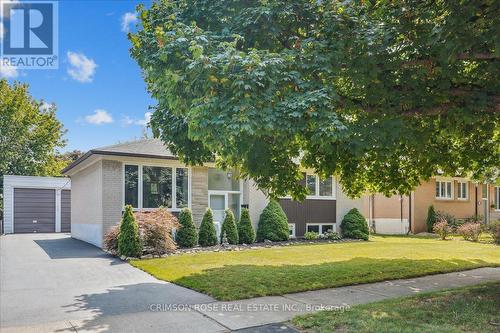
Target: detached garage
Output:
[(36, 204)]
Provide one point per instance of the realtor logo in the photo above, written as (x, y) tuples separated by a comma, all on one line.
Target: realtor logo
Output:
[(29, 38)]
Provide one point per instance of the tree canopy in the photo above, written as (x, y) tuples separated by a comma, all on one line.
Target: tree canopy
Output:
[(384, 94), (30, 134)]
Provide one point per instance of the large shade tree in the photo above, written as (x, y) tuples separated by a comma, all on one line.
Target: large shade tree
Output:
[(383, 94), (30, 134)]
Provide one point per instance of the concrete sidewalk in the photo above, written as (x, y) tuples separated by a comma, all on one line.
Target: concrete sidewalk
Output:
[(275, 309)]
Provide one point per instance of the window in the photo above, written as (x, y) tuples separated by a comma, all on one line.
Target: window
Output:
[(132, 185), (220, 180), (311, 184), (320, 228), (497, 197), (463, 191), (318, 187), (443, 190), (291, 229), (154, 186), (326, 187), (484, 190), (181, 180)]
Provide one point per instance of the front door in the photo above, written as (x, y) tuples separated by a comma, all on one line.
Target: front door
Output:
[(218, 204)]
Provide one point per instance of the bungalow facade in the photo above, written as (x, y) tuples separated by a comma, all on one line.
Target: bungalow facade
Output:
[(146, 175), (457, 196)]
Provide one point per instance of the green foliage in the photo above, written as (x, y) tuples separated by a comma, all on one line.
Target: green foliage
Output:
[(332, 235), (431, 218), (494, 230), (311, 235), (207, 235), (273, 223), (246, 234), (29, 134), (129, 244), (354, 225), (186, 236), (229, 228), (382, 95)]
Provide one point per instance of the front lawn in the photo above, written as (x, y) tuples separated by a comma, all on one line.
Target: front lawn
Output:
[(281, 270), (469, 309)]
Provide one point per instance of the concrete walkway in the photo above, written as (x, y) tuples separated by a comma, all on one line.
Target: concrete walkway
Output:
[(52, 283)]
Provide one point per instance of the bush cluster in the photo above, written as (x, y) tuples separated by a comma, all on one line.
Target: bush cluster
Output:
[(273, 223), (354, 225), (442, 228), (154, 233), (470, 231), (494, 230), (311, 235)]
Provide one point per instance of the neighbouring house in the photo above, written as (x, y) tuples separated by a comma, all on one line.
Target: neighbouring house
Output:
[(146, 175), (457, 196)]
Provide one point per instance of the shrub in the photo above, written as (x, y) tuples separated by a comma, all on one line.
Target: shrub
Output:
[(431, 218), (273, 223), (311, 235), (494, 230), (354, 225), (207, 235), (452, 221), (246, 234), (155, 230), (129, 244), (229, 228), (442, 228), (470, 231), (186, 235), (332, 235), (474, 219), (110, 242)]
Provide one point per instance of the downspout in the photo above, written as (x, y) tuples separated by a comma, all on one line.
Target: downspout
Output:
[(476, 210), (409, 214)]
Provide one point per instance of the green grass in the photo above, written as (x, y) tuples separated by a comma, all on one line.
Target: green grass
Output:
[(277, 271), (469, 309)]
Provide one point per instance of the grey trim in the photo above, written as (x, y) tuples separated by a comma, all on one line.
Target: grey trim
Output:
[(111, 153)]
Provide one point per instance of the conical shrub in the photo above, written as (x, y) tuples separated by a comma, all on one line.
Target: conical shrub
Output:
[(246, 234), (129, 244), (273, 223), (207, 235), (229, 227), (186, 235)]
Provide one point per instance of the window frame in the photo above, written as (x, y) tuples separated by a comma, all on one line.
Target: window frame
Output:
[(440, 182), (459, 190), (321, 227), (317, 195), (140, 185)]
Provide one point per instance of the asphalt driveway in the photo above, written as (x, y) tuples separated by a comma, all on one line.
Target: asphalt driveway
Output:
[(53, 283)]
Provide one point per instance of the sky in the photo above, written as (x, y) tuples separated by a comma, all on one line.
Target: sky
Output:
[(98, 90)]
